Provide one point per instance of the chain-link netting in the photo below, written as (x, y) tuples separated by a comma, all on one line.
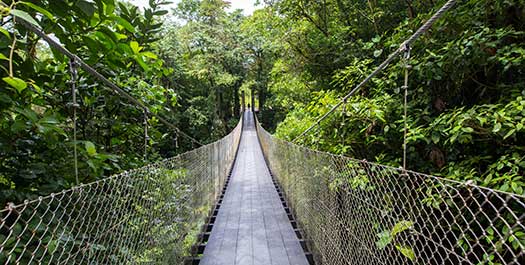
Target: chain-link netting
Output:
[(357, 212), (150, 215)]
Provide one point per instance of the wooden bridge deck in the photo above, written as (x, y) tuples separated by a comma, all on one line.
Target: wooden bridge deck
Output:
[(252, 227)]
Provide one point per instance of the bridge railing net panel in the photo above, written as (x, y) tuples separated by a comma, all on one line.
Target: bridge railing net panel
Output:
[(149, 215), (356, 212)]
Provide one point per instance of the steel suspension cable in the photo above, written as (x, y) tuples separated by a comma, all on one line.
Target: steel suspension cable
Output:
[(119, 91), (402, 48), (146, 136)]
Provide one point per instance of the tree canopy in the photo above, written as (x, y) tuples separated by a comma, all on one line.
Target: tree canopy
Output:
[(296, 57)]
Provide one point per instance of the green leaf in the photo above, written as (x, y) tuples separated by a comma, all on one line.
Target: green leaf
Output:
[(467, 129), (435, 137), (109, 33), (16, 83), (135, 47), (120, 36), (50, 120), (86, 7), (25, 16), (497, 127), (161, 13), (401, 226), (109, 7), (142, 63), (509, 133), (94, 46), (385, 238), (18, 126), (39, 9), (163, 3), (5, 32), (91, 165), (28, 113), (407, 252), (150, 55), (125, 24), (52, 246), (516, 188), (90, 148)]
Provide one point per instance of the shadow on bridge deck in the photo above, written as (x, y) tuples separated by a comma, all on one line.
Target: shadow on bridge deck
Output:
[(252, 226)]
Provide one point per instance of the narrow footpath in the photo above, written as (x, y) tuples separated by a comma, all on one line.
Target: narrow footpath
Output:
[(252, 227)]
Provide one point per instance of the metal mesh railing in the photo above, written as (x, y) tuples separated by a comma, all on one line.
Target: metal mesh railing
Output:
[(149, 215), (357, 212)]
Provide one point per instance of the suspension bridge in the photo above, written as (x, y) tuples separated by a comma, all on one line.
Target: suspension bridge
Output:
[(250, 198)]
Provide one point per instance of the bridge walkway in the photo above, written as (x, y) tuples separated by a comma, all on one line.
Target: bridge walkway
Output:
[(252, 227)]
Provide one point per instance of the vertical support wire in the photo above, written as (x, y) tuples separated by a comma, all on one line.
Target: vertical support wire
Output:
[(146, 137), (73, 68), (343, 111), (405, 117)]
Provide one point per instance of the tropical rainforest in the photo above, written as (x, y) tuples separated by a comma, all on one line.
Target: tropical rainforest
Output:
[(296, 58)]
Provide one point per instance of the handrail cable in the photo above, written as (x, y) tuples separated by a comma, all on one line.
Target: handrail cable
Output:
[(103, 79), (402, 48)]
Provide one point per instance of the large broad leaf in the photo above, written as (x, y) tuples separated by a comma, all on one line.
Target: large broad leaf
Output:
[(90, 148), (109, 33), (16, 83), (141, 62), (125, 24), (105, 7), (27, 113), (5, 32), (93, 45), (110, 6), (135, 47), (86, 7), (25, 16), (39, 9), (18, 126)]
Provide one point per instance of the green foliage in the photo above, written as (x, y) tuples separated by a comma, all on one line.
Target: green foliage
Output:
[(296, 58), (388, 236), (118, 40), (465, 110)]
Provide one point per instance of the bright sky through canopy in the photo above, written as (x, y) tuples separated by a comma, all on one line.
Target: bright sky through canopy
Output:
[(247, 5)]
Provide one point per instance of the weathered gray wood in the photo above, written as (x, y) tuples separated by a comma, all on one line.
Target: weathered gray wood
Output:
[(252, 227)]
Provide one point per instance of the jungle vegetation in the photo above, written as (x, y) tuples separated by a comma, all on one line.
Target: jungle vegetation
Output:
[(466, 114)]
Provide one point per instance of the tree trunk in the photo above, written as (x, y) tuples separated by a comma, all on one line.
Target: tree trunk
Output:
[(236, 99)]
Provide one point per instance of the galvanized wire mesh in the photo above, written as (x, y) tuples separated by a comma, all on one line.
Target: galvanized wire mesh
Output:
[(357, 212), (149, 215)]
